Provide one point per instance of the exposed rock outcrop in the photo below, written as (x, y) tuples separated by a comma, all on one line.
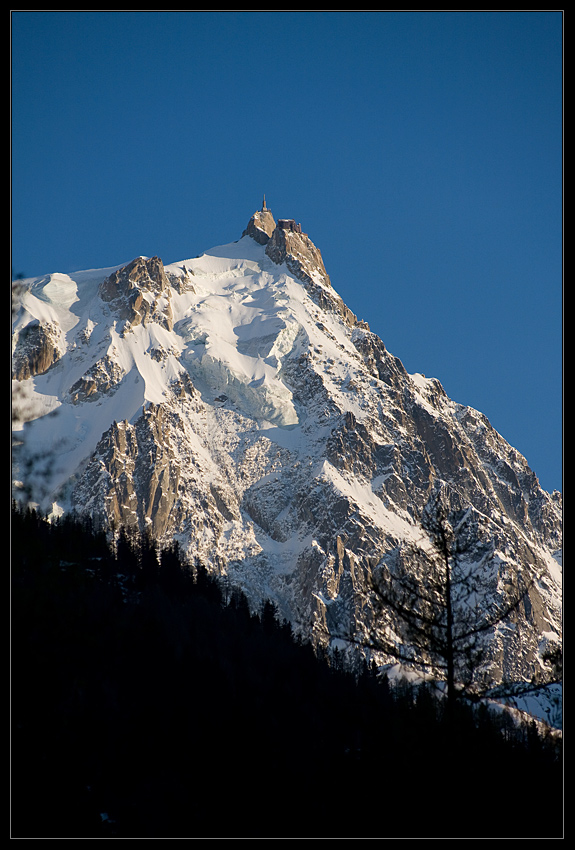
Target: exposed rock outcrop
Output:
[(290, 246), (38, 347), (103, 377), (133, 476), (140, 293), (286, 243), (261, 226)]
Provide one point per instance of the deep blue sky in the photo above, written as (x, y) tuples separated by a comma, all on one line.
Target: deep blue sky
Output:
[(421, 152)]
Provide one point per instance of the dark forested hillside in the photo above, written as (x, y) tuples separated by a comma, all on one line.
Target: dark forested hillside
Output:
[(147, 701)]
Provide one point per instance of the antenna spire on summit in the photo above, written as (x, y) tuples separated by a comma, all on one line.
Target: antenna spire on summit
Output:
[(264, 205)]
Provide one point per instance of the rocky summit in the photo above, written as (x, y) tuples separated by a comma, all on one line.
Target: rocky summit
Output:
[(234, 403)]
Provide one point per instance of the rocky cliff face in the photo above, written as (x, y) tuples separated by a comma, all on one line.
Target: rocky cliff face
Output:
[(36, 348), (139, 293), (260, 226), (235, 403)]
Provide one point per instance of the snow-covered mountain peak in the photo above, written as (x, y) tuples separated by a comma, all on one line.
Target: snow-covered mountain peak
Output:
[(234, 402)]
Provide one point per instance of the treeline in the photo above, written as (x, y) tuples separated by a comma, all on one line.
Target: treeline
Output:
[(148, 702)]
